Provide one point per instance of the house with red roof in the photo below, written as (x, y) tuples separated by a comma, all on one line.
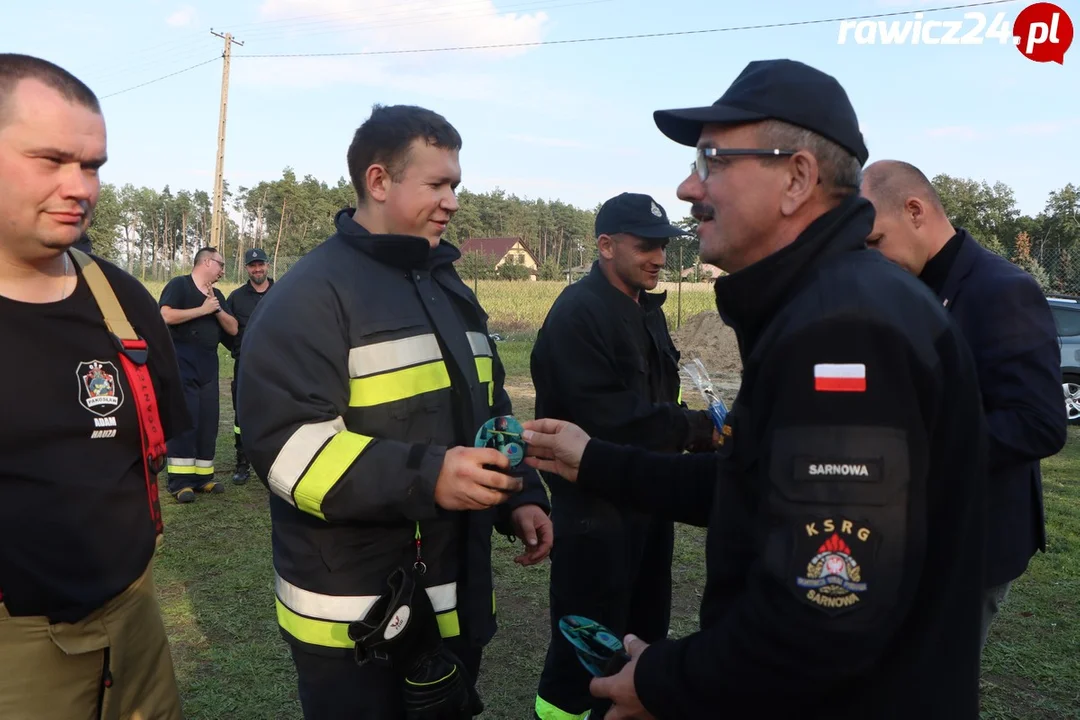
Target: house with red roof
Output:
[(500, 251)]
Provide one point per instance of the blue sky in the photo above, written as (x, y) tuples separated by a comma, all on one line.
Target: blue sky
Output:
[(572, 122)]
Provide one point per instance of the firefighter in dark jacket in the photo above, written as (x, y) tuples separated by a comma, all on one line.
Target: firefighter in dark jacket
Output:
[(241, 303), (367, 374), (604, 360), (844, 505)]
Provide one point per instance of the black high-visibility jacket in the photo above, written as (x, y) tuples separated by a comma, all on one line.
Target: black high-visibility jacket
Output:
[(368, 360), (845, 508)]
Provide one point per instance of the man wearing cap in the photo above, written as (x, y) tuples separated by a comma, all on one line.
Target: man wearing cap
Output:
[(844, 506), (241, 304), (605, 361)]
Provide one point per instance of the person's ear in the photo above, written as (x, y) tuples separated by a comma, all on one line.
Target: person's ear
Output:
[(800, 180), (377, 182), (605, 244)]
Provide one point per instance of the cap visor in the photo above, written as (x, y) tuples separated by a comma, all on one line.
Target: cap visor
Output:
[(684, 125), (659, 232)]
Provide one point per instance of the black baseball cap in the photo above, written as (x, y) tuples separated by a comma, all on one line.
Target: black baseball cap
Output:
[(635, 214), (785, 90), (254, 255)]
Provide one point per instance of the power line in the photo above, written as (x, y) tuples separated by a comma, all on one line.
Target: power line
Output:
[(539, 43), (163, 77)]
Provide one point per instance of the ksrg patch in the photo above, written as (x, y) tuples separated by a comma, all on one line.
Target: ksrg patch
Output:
[(835, 578), (100, 391)]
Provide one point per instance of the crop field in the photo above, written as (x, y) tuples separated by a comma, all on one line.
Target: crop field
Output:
[(520, 306)]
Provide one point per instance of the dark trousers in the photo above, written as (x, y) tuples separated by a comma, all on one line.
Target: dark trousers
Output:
[(238, 444), (612, 566), (191, 455), (339, 689)]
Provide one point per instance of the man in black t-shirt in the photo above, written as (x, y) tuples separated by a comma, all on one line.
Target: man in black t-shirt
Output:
[(81, 633), (193, 310), (241, 304)]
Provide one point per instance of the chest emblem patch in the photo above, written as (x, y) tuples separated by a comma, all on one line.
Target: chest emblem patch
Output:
[(99, 390), (833, 577)]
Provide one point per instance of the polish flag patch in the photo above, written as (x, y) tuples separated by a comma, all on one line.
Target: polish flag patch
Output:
[(844, 377)]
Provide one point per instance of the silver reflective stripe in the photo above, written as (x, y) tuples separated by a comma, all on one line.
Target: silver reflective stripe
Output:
[(336, 608), (347, 608), (480, 343), (181, 462), (204, 463), (393, 355), (443, 597), (297, 454)]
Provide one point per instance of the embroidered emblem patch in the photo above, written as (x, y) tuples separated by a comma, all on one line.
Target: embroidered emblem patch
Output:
[(834, 577), (656, 211), (99, 390)]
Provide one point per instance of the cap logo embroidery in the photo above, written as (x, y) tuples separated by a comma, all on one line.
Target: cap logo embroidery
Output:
[(656, 211)]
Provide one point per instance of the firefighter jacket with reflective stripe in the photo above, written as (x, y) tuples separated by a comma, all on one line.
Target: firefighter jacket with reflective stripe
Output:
[(371, 358)]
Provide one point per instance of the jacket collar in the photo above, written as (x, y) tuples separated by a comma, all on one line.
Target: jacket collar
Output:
[(401, 251), (962, 266), (647, 301), (748, 299)]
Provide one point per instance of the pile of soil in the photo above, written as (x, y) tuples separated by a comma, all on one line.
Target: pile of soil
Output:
[(706, 336)]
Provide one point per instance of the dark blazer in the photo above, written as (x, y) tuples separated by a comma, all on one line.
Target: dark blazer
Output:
[(1006, 320)]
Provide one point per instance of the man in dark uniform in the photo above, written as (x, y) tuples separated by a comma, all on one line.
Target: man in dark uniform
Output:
[(241, 304), (81, 634), (604, 360), (193, 310), (845, 503), (1007, 322)]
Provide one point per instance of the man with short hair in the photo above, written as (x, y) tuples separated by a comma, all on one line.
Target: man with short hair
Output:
[(368, 374), (1007, 322), (604, 360), (92, 391), (193, 309), (241, 304), (845, 503)]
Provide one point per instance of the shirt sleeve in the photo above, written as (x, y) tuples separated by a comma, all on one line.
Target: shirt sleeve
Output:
[(839, 473), (173, 295)]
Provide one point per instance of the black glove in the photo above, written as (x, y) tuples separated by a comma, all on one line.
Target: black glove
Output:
[(700, 433), (401, 629)]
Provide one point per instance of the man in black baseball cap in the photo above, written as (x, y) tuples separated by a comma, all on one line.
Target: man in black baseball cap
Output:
[(844, 556), (604, 359), (241, 304)]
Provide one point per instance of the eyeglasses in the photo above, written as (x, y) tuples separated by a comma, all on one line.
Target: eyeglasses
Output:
[(219, 262), (700, 166)]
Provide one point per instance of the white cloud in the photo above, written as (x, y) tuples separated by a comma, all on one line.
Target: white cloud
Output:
[(182, 17), (390, 25)]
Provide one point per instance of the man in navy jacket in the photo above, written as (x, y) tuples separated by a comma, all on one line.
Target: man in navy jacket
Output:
[(1006, 321)]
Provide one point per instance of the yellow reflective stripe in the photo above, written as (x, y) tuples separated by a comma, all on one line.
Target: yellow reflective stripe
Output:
[(313, 632), (180, 469), (547, 711), (679, 398), (449, 626), (330, 464), (398, 385), (298, 453), (484, 374), (202, 470), (236, 429), (326, 633)]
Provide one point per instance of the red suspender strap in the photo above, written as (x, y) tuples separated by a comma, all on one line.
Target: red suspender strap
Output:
[(133, 353)]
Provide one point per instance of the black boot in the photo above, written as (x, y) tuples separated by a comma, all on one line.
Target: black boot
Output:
[(242, 469)]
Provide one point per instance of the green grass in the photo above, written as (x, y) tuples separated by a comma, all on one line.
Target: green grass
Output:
[(214, 578)]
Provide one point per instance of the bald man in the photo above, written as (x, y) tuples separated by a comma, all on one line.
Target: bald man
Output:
[(1006, 321)]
